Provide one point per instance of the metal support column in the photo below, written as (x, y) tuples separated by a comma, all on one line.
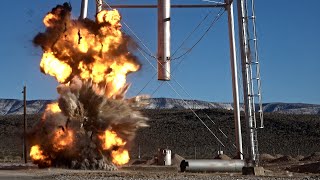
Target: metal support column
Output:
[(235, 91), (84, 9), (164, 40)]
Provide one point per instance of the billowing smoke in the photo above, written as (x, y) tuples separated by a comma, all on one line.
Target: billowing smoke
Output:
[(91, 126)]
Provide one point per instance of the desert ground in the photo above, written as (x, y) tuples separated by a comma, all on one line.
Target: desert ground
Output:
[(288, 145)]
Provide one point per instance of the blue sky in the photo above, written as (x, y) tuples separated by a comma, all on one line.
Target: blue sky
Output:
[(288, 33)]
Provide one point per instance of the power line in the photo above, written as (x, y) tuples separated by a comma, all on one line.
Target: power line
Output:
[(135, 35), (222, 10), (197, 115), (192, 32), (148, 54), (186, 103), (183, 57)]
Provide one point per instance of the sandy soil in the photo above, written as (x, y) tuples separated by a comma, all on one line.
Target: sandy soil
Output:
[(29, 171)]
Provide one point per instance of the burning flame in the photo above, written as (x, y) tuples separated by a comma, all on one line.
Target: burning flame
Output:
[(36, 154), (120, 157), (113, 17), (48, 19), (103, 61), (95, 52), (110, 141), (53, 66), (53, 107), (62, 139)]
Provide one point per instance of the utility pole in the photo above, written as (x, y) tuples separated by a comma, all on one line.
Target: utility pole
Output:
[(234, 73), (25, 124)]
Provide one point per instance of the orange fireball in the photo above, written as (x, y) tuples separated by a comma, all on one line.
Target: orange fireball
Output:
[(36, 154), (49, 18), (96, 52), (120, 157), (110, 139), (53, 66), (62, 139), (99, 56), (53, 107)]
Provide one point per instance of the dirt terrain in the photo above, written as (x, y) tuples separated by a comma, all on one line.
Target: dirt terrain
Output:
[(149, 173), (288, 146)]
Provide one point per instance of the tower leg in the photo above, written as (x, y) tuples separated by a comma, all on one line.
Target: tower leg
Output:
[(233, 62)]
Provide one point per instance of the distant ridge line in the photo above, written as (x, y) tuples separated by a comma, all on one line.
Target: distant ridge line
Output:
[(15, 106)]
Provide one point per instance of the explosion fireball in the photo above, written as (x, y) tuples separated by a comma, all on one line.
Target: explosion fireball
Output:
[(91, 126)]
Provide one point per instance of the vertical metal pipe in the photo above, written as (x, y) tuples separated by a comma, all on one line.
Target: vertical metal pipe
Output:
[(164, 40), (84, 9), (25, 124), (98, 6), (235, 91), (245, 53)]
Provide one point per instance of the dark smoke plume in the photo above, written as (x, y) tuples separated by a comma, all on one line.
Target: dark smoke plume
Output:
[(87, 115)]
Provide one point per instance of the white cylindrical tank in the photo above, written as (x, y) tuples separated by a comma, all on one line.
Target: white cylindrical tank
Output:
[(164, 58), (212, 165), (167, 157), (84, 9)]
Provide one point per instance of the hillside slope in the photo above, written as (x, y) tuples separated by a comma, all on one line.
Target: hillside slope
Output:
[(182, 132)]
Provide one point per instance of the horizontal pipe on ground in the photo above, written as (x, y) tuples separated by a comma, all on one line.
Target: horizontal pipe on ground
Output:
[(118, 6), (211, 165)]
